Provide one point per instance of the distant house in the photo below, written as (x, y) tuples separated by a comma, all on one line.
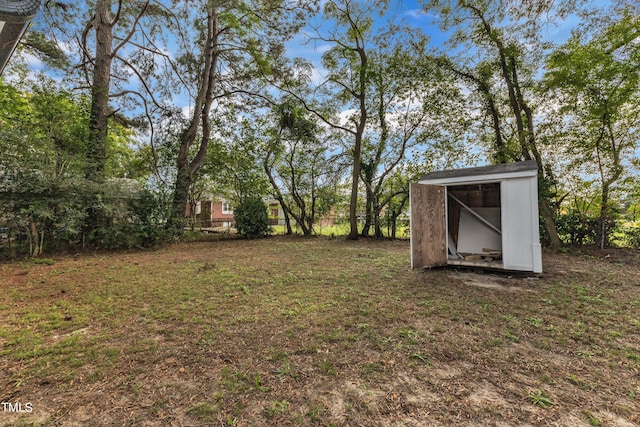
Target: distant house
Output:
[(211, 212), (276, 213), (215, 212)]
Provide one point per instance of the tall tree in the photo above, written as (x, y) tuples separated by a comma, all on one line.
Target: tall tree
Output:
[(112, 70), (346, 87), (203, 102), (230, 44), (481, 77), (98, 65), (347, 62), (407, 97), (513, 47), (296, 162), (597, 81), (116, 51)]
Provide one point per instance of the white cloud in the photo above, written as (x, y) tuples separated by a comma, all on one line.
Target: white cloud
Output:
[(318, 75), (33, 61), (421, 14), (415, 13), (67, 48), (187, 111), (346, 116)]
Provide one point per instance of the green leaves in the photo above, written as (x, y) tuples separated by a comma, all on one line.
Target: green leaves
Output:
[(251, 217), (596, 77), (46, 49), (43, 190)]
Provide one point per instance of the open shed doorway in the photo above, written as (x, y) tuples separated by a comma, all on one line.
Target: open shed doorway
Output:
[(474, 224)]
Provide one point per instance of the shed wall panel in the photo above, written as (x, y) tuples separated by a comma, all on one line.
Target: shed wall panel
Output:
[(428, 226), (518, 220), (474, 236)]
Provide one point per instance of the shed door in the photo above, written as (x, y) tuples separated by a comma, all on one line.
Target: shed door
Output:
[(428, 226)]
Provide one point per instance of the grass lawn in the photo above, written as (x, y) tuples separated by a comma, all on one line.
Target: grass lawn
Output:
[(402, 231), (316, 332)]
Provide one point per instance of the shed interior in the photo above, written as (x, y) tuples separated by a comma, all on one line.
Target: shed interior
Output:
[(474, 230)]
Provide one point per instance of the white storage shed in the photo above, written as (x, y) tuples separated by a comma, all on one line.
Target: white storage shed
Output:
[(482, 217)]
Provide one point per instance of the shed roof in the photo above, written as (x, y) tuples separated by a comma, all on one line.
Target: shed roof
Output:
[(19, 8), (506, 168), (15, 15)]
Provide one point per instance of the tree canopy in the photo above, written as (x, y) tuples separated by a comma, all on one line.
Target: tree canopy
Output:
[(141, 108)]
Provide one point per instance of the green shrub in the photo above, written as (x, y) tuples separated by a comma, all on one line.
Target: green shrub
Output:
[(134, 222), (149, 214), (251, 217), (577, 229), (632, 235)]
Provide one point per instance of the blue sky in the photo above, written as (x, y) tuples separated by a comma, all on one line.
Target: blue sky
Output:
[(411, 11), (413, 14), (408, 11)]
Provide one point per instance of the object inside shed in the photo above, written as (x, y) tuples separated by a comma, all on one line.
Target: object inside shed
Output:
[(474, 224)]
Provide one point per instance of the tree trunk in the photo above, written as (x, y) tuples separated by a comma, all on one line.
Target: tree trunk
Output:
[(484, 88), (526, 137), (99, 115), (287, 221), (200, 120), (394, 226), (397, 213), (607, 182), (285, 208), (35, 240), (528, 143), (377, 229), (303, 222), (353, 202), (501, 154), (389, 223), (357, 148), (549, 222), (604, 214), (302, 218), (368, 210), (177, 221), (266, 166)]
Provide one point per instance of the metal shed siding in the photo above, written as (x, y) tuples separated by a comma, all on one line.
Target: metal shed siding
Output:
[(520, 235)]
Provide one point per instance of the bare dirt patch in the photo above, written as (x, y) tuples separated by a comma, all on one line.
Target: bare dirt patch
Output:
[(317, 332), (500, 282)]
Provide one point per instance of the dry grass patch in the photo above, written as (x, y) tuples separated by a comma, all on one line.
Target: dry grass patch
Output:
[(317, 332)]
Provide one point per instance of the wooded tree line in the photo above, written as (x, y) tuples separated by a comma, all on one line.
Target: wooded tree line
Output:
[(144, 105)]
